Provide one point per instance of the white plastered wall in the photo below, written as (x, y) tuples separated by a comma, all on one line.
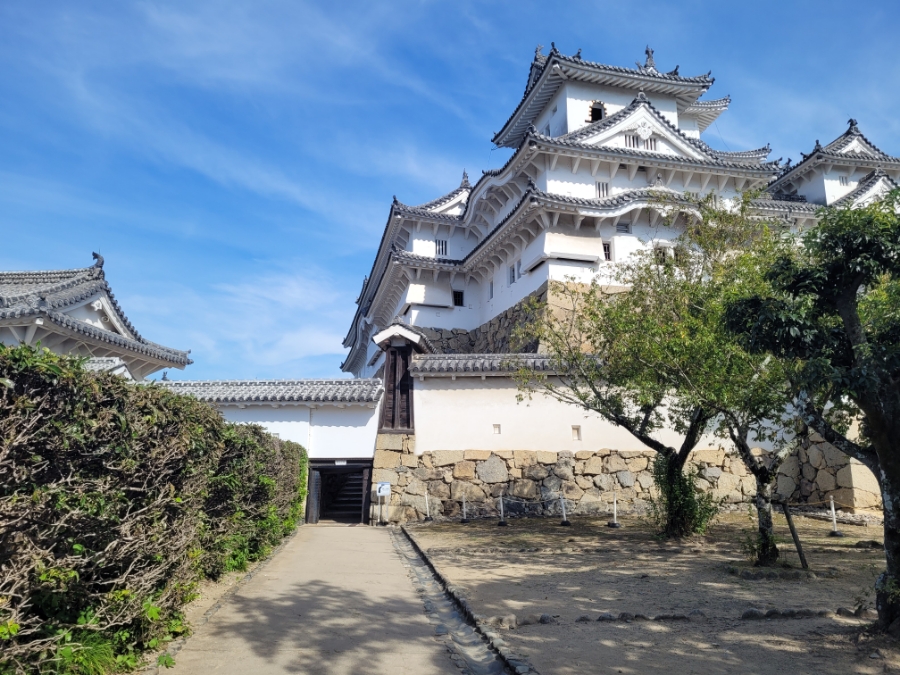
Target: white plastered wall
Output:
[(326, 432), (460, 415)]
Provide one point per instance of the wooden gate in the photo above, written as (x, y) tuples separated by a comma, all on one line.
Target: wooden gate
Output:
[(314, 498)]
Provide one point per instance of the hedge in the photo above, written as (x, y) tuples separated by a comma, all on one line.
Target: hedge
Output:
[(115, 500)]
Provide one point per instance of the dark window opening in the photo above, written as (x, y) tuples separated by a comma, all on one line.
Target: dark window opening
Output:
[(607, 252), (458, 299), (623, 228), (661, 255), (598, 112)]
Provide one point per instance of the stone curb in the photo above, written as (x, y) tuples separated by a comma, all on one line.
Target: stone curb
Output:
[(176, 645), (497, 644)]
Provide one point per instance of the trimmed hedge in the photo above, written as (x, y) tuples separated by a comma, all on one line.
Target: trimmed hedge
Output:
[(115, 499)]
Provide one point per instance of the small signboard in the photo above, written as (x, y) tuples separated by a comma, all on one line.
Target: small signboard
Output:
[(383, 490), (340, 462)]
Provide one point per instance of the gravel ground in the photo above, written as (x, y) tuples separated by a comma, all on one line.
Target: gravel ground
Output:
[(698, 588)]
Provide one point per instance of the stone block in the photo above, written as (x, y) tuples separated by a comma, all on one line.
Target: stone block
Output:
[(409, 444), (816, 437), (645, 480), (545, 457), (808, 471), (515, 473), (711, 456), (604, 481), (447, 457), (402, 480), (863, 478), (525, 489), (423, 473), (439, 489), (385, 476), (625, 478), (386, 459), (571, 491), (464, 470), (473, 492), (631, 454), (579, 468), (603, 452), (816, 456), (711, 473), (584, 482), (593, 466), (476, 455), (637, 464), (748, 485), (389, 442), (825, 480), (563, 471), (524, 458), (736, 466), (584, 454), (448, 475), (729, 483), (790, 467), (415, 501), (425, 459), (492, 470), (505, 454), (536, 472), (833, 456), (553, 483), (616, 463), (844, 477), (785, 487), (498, 489)]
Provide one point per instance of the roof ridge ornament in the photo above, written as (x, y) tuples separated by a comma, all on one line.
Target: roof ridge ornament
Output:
[(578, 54), (98, 260), (641, 96), (553, 49), (854, 129), (649, 63), (465, 180), (674, 71), (537, 52)]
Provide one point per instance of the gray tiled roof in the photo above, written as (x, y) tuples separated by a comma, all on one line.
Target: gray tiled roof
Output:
[(103, 363), (476, 364), (279, 391), (49, 293)]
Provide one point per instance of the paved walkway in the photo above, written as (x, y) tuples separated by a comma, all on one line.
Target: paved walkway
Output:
[(334, 600)]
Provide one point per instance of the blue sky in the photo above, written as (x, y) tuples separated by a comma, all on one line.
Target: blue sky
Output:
[(235, 162)]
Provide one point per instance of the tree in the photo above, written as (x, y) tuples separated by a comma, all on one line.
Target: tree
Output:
[(655, 353), (833, 311)]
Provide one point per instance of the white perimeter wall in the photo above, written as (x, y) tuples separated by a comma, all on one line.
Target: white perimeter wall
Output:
[(460, 414), (326, 432)]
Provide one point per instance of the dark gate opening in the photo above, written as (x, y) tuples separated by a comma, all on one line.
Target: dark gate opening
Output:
[(338, 493)]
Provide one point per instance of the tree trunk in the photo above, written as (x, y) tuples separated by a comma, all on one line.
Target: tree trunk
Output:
[(887, 598), (766, 551)]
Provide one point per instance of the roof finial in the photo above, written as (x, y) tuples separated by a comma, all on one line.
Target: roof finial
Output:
[(465, 180), (641, 96), (578, 54), (396, 201), (165, 376), (674, 71), (649, 63), (537, 52), (818, 145), (553, 48), (853, 128), (99, 260)]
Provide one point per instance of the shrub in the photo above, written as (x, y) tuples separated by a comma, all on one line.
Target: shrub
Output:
[(678, 509), (112, 506)]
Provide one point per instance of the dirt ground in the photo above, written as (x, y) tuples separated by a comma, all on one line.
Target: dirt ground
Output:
[(535, 566)]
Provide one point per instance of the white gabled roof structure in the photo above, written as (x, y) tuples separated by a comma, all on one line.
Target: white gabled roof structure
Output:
[(75, 312)]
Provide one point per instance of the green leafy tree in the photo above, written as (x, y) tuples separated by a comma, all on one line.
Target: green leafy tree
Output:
[(833, 311)]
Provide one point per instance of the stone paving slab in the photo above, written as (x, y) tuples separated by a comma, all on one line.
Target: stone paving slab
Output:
[(334, 600)]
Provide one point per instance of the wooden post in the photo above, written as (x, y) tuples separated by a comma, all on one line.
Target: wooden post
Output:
[(790, 522)]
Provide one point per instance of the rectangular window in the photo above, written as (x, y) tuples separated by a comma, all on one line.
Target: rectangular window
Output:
[(632, 141), (440, 247), (576, 432), (660, 253), (518, 269), (602, 190), (491, 290), (496, 428), (623, 228), (458, 299), (607, 252), (650, 144), (512, 275), (845, 180)]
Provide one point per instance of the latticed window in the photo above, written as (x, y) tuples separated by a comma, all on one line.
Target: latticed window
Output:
[(458, 299), (650, 144), (607, 252), (602, 190), (845, 180), (632, 141), (440, 247), (623, 228), (512, 275), (396, 410)]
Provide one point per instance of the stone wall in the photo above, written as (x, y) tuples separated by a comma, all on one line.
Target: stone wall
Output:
[(493, 337), (532, 481), (819, 471)]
